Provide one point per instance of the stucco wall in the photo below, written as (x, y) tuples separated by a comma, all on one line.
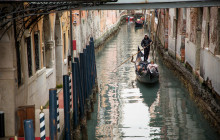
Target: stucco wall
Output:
[(8, 81), (213, 36), (94, 24), (209, 68), (34, 90), (197, 31), (171, 35), (190, 53), (178, 45)]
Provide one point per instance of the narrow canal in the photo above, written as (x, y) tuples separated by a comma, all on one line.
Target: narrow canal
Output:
[(128, 109)]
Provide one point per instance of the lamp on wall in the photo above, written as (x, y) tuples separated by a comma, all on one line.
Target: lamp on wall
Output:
[(27, 33)]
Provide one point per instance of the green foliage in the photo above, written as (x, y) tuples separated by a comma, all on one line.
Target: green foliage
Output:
[(46, 105), (59, 86)]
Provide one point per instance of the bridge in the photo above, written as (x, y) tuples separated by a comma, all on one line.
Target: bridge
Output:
[(31, 11)]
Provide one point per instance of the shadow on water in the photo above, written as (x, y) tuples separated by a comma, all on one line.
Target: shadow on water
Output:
[(149, 92), (138, 28)]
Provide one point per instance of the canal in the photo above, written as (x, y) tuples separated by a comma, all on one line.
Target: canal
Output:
[(128, 109)]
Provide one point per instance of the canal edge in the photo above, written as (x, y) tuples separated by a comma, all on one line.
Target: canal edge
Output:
[(204, 99)]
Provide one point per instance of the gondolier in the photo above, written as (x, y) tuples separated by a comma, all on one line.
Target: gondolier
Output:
[(145, 43), (145, 72)]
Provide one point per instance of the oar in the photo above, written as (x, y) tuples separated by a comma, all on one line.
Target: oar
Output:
[(128, 59)]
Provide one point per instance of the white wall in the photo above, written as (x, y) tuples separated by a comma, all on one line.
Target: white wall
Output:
[(190, 53), (210, 68), (178, 45)]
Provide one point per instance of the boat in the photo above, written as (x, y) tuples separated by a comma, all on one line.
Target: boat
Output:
[(146, 72), (139, 23), (128, 18)]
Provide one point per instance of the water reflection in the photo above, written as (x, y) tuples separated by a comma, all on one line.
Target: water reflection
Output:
[(128, 109)]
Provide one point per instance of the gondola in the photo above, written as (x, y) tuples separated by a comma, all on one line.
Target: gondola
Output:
[(146, 72), (139, 23)]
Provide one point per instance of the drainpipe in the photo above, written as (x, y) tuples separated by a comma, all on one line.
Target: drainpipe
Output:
[(145, 17), (150, 26), (71, 35), (165, 12), (176, 31)]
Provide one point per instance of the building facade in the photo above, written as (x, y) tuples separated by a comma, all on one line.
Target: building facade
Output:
[(37, 62), (192, 36)]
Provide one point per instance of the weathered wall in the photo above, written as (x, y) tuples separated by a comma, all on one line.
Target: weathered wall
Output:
[(210, 66), (54, 47), (197, 29), (171, 31), (8, 81), (181, 30), (213, 36), (209, 58), (198, 36), (94, 23)]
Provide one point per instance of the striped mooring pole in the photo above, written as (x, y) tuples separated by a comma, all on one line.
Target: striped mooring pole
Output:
[(28, 130), (42, 124), (58, 115), (70, 92)]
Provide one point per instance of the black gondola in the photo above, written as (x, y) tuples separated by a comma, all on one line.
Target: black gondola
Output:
[(145, 71), (139, 23)]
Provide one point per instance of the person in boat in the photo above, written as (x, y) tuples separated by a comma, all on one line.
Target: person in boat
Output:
[(145, 43), (139, 65), (138, 61), (151, 67)]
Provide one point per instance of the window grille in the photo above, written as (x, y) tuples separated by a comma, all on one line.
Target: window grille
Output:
[(37, 60), (18, 55), (28, 39)]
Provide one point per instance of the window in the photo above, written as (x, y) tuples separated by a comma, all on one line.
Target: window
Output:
[(174, 28), (64, 44), (18, 55), (37, 51), (218, 32), (28, 40)]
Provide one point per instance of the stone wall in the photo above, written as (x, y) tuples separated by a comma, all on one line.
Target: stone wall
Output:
[(197, 32), (194, 54), (96, 24)]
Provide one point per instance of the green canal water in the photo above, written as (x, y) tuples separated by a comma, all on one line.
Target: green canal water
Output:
[(128, 109)]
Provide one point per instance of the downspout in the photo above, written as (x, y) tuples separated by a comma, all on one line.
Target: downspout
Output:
[(145, 17), (71, 35), (150, 25), (165, 11), (176, 31)]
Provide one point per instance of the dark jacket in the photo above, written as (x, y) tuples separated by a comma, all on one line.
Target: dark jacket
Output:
[(146, 42)]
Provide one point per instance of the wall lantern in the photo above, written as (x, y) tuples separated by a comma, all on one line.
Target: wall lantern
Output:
[(27, 33)]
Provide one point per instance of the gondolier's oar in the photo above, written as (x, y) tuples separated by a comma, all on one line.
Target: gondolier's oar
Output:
[(128, 58)]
